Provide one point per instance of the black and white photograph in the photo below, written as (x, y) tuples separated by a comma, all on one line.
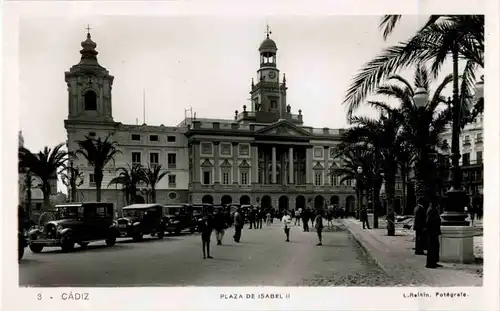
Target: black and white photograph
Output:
[(247, 151)]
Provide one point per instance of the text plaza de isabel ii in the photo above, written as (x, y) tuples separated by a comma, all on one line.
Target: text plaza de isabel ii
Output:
[(264, 155)]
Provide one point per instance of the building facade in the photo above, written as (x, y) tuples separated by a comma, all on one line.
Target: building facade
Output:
[(471, 160), (264, 155)]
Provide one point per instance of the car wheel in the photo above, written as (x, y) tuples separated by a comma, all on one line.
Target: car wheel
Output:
[(67, 243), (161, 234), (36, 248), (192, 230), (111, 241), (84, 244)]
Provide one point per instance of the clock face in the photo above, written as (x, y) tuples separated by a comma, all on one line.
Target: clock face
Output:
[(272, 75)]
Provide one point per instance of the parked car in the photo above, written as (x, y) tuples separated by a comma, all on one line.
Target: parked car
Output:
[(200, 209), (76, 223), (179, 218), (140, 219)]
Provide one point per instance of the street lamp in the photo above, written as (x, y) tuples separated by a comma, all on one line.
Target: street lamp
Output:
[(420, 97)]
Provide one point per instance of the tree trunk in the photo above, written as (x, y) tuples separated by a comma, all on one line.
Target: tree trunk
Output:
[(98, 175), (390, 185), (46, 195), (403, 184), (153, 194)]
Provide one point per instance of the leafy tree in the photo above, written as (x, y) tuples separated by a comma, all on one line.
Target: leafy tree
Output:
[(45, 165), (98, 153), (153, 175)]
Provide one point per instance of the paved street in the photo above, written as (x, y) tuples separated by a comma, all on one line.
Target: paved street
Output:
[(262, 258)]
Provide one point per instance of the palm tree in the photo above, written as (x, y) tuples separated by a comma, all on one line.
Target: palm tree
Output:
[(422, 126), (45, 165), (459, 36), (354, 156), (153, 175), (72, 178), (383, 136), (129, 177), (405, 162), (98, 154), (28, 185)]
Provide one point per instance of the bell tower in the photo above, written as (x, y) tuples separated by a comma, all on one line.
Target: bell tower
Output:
[(269, 95), (89, 87)]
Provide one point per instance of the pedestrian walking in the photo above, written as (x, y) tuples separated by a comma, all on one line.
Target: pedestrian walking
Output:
[(364, 217), (251, 218), (305, 219), (433, 231), (260, 218), (297, 217), (238, 225), (472, 213), (319, 227), (287, 223), (206, 228), (220, 225), (268, 218), (419, 226)]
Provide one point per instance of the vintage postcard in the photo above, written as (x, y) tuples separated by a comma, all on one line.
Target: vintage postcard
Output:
[(243, 155)]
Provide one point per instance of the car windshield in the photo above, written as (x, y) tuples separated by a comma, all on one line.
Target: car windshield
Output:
[(69, 212), (133, 213), (174, 210)]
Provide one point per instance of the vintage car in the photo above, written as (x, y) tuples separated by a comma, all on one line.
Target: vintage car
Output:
[(23, 242), (80, 223), (140, 219), (179, 218), (201, 209)]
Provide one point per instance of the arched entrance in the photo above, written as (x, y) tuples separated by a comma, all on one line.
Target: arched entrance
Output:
[(226, 199), (283, 203), (319, 202), (349, 205), (139, 199), (334, 200), (245, 200), (300, 202), (207, 199), (265, 201)]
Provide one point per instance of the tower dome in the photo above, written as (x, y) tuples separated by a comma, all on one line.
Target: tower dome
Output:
[(268, 45)]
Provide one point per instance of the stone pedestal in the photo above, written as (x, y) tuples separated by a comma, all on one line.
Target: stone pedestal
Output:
[(457, 244)]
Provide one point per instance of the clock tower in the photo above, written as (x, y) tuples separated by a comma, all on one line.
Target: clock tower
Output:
[(269, 95)]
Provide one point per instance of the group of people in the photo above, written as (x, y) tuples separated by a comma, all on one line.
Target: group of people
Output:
[(219, 222), (316, 218), (427, 226)]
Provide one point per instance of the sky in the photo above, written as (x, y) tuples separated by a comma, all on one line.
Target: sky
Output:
[(203, 62)]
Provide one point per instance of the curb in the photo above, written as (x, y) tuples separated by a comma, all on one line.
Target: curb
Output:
[(358, 240)]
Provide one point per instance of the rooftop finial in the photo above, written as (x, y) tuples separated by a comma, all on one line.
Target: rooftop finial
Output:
[(268, 31), (88, 30)]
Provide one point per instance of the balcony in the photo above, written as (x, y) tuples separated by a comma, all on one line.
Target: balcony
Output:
[(472, 164)]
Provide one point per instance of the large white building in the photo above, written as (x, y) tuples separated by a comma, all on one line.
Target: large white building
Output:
[(263, 155)]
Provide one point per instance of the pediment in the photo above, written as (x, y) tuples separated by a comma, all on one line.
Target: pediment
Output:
[(318, 166), (225, 163), (207, 163), (244, 164), (283, 128), (333, 166)]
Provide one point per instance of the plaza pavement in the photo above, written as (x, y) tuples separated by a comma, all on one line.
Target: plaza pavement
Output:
[(262, 258), (395, 255)]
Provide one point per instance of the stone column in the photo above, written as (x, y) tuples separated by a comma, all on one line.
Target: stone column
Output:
[(290, 165), (217, 163), (265, 180), (309, 157), (283, 178), (235, 163), (196, 161), (254, 152), (273, 160), (326, 180)]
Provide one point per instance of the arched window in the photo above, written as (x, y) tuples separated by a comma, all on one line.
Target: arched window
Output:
[(90, 100)]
